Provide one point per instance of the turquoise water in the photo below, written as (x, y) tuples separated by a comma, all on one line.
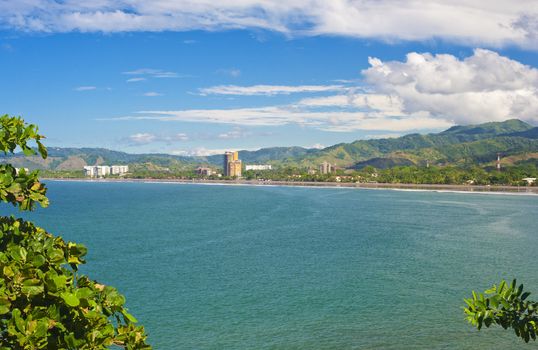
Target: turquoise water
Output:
[(237, 267)]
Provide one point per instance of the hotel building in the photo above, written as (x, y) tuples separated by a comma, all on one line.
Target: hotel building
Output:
[(232, 164)]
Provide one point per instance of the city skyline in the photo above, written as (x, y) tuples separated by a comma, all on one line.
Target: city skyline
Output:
[(260, 79)]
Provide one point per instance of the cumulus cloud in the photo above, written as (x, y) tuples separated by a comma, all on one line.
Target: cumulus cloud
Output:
[(473, 22), (422, 92), (267, 90), (388, 104), (482, 87)]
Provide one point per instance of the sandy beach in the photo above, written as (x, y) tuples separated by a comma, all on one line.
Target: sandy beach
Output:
[(395, 186)]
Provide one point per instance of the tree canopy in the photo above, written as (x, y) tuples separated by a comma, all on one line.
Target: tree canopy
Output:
[(45, 303)]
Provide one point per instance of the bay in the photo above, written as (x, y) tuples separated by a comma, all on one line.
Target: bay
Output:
[(243, 267)]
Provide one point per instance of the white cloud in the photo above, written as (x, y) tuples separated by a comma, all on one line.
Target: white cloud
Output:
[(316, 146), (142, 138), (338, 121), (179, 137), (152, 94), (152, 73), (482, 87), (382, 136), (267, 90), (388, 104), (134, 80), (200, 152), (473, 22), (424, 92), (85, 88), (235, 133)]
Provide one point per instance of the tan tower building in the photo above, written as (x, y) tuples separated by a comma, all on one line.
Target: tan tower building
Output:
[(232, 164)]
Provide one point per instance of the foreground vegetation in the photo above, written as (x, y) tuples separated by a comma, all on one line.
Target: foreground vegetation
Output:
[(505, 305), (45, 303)]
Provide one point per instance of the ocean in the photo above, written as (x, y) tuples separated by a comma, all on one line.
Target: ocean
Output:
[(244, 267)]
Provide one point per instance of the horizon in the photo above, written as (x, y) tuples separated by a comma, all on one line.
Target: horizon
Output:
[(186, 80)]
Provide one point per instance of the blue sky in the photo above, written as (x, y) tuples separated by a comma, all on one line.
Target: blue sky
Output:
[(246, 75)]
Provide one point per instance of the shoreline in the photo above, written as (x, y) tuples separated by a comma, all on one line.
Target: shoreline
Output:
[(533, 190)]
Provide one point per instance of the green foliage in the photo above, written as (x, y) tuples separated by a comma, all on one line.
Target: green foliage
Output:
[(19, 187), (44, 302), (14, 132), (505, 305)]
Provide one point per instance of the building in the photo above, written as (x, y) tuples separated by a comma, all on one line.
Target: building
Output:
[(89, 171), (232, 164), (258, 167), (119, 169), (234, 168), (228, 158), (205, 171), (104, 170), (326, 168), (529, 180)]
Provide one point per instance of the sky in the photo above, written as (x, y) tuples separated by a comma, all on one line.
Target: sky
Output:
[(198, 77)]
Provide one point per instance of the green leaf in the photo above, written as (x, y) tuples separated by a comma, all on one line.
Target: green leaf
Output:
[(70, 299), (4, 309), (129, 317), (42, 150)]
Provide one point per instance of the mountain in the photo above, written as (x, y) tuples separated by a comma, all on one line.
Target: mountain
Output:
[(459, 145)]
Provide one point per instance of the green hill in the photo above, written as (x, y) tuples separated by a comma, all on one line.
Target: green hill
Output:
[(459, 145)]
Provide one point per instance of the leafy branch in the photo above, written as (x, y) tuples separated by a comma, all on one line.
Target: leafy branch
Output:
[(505, 305)]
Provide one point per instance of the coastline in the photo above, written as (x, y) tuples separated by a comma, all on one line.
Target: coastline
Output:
[(522, 190)]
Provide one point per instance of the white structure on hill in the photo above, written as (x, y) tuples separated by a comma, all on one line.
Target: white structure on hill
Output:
[(104, 170), (119, 169), (258, 167)]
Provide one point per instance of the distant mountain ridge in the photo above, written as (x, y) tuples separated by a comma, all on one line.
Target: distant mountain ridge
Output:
[(476, 144)]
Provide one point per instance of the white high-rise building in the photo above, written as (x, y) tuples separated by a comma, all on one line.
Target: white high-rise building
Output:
[(119, 169), (104, 170), (258, 167), (89, 171)]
